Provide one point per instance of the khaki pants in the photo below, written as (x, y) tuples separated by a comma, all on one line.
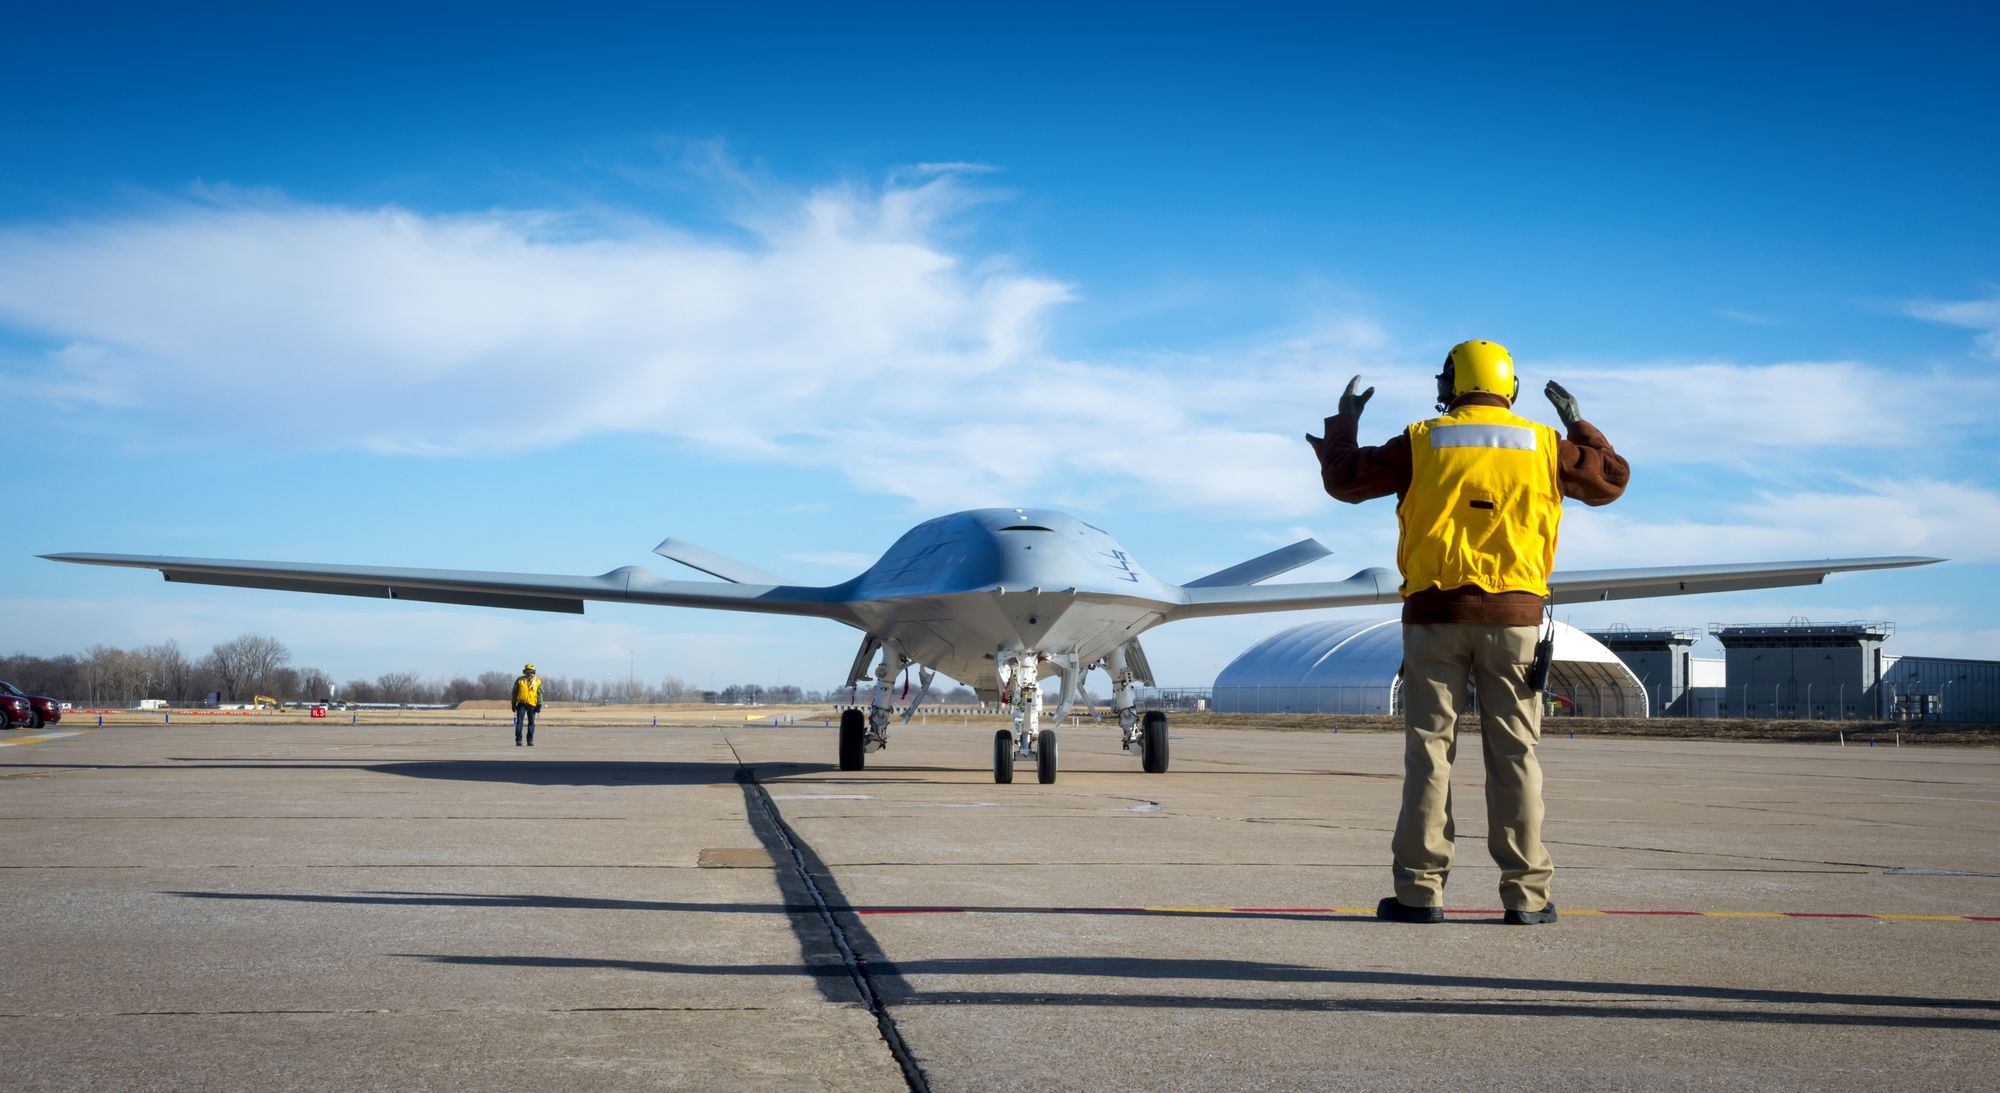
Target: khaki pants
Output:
[(1437, 661)]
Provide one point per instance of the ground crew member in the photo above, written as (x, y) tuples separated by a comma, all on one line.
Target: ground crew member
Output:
[(1478, 500), (527, 703)]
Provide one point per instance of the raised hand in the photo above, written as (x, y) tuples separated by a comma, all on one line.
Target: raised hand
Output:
[(1564, 402), (1354, 400)]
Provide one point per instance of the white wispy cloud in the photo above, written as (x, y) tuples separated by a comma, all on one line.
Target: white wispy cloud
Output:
[(1981, 314), (469, 333), (1956, 520), (842, 313)]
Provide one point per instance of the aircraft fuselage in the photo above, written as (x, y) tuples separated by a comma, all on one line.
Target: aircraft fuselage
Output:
[(963, 591)]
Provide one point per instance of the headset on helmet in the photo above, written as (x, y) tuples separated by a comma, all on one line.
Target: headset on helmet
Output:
[(1477, 366)]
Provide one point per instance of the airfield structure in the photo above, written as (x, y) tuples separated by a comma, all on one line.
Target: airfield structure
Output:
[(1941, 689), (1804, 670), (1663, 659), (1356, 667)]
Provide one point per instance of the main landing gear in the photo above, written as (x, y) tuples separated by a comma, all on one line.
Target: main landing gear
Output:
[(1153, 742), (862, 733), (853, 737)]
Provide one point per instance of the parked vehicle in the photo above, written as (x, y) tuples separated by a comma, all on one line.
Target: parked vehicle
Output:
[(18, 707)]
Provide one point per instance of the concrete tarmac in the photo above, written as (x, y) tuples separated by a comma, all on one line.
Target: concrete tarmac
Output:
[(339, 907)]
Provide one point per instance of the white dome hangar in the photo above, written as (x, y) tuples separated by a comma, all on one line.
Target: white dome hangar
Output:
[(1356, 667)]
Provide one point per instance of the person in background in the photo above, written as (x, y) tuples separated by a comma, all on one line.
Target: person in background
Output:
[(1479, 497), (527, 703)]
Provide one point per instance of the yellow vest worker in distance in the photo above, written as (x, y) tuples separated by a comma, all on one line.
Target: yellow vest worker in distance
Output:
[(1479, 496), (527, 703)]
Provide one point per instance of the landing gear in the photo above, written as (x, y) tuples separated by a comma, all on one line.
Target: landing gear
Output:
[(1019, 678), (1153, 742), (853, 736)]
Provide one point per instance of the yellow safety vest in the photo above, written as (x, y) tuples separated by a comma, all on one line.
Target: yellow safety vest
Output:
[(528, 691), (1484, 503)]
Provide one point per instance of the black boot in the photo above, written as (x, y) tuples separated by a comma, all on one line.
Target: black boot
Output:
[(1532, 918), (1395, 910)]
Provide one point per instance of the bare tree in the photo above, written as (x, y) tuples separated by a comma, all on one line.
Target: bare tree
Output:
[(399, 687), (315, 685), (247, 662), (168, 671)]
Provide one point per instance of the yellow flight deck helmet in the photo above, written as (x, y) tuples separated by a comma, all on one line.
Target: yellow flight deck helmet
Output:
[(1477, 366), (527, 667)]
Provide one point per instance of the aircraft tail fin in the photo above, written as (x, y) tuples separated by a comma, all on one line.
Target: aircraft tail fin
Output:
[(1264, 566), (715, 565)]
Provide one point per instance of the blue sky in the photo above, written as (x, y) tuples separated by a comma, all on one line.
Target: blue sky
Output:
[(531, 287)]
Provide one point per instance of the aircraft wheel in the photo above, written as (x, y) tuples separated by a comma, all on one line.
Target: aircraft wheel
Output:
[(1003, 757), (1045, 757), (852, 731), (1153, 742)]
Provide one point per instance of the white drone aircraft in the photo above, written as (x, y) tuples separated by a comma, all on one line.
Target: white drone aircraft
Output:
[(997, 598)]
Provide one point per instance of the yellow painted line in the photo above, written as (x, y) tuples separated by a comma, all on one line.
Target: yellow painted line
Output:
[(10, 741)]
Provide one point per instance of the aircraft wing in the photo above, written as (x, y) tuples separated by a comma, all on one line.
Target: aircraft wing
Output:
[(1372, 586), (526, 591), (1585, 585)]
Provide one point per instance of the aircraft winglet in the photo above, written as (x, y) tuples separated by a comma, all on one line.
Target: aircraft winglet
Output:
[(1264, 566), (713, 564)]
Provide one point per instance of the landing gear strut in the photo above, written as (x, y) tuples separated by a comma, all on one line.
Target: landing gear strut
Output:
[(1148, 735), (1020, 677)]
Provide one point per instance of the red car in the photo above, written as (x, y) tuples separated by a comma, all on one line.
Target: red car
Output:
[(18, 707)]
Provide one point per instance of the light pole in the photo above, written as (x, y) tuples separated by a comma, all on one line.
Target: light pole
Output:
[(1945, 690)]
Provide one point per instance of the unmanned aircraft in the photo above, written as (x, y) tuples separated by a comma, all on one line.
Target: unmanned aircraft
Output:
[(994, 598)]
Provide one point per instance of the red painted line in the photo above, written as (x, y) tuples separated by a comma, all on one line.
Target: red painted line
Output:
[(1488, 912)]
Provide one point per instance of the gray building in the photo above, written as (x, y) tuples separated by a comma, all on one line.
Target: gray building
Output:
[(1662, 659), (1803, 670), (1942, 689)]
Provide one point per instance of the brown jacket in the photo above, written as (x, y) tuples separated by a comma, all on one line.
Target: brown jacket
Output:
[(1591, 473)]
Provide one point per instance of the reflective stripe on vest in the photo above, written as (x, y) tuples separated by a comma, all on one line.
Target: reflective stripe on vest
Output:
[(1483, 436), (1484, 503)]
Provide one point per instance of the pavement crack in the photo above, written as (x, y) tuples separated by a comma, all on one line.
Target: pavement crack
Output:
[(758, 797), (367, 1012)]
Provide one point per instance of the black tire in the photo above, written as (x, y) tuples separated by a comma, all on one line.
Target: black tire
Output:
[(1045, 757), (1003, 757), (853, 734), (1153, 742), (5, 721), (35, 719)]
